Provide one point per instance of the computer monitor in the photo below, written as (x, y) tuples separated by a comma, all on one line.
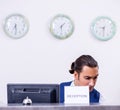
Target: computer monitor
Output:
[(38, 93)]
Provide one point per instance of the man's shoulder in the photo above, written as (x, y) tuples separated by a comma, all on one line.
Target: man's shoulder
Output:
[(96, 91), (65, 83)]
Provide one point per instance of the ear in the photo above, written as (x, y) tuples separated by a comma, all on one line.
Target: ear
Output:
[(75, 75)]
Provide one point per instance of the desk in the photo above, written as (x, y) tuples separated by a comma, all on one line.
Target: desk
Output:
[(60, 107)]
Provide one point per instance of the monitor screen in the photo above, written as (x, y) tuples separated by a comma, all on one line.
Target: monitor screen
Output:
[(37, 93)]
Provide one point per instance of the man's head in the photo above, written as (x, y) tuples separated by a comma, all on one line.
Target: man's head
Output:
[(85, 70)]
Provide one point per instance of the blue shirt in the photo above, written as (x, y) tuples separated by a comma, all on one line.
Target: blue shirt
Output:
[(94, 94)]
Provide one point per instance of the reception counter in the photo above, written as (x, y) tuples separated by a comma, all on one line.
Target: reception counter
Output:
[(61, 107)]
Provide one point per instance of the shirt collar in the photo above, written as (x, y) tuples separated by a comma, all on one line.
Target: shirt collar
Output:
[(72, 83)]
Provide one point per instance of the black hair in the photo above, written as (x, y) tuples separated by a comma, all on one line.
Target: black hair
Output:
[(84, 60)]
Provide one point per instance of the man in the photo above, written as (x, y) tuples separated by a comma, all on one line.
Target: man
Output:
[(85, 71)]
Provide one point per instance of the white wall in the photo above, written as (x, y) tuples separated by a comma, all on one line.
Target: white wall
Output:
[(40, 58)]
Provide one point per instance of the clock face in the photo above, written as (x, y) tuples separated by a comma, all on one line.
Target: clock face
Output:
[(16, 26), (61, 26), (103, 28)]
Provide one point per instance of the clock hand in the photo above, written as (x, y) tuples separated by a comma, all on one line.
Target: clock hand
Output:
[(15, 28), (62, 25), (103, 28)]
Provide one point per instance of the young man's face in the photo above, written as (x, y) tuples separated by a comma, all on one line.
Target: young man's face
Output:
[(87, 77)]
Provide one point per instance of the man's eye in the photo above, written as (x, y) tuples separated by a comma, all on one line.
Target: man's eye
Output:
[(88, 78), (95, 77)]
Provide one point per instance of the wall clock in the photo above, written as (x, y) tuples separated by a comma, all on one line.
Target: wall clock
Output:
[(61, 26), (16, 26), (103, 28)]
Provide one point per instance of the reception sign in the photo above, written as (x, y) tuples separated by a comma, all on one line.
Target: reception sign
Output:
[(76, 95)]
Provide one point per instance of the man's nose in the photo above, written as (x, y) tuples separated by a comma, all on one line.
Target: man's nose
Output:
[(92, 82)]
